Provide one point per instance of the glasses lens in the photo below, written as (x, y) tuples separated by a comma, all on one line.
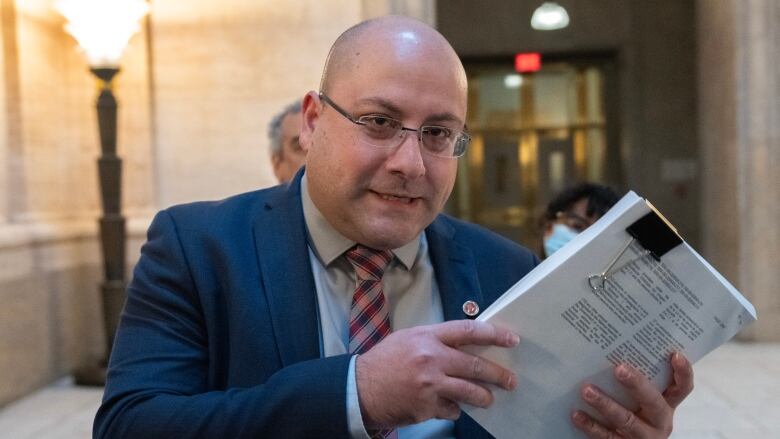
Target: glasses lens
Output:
[(385, 132), (438, 140), (461, 144), (379, 130), (443, 141)]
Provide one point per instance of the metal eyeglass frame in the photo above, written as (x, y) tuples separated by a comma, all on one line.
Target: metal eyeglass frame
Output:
[(462, 137)]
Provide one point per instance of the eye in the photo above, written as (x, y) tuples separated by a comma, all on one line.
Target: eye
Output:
[(379, 126), (379, 121), (438, 133)]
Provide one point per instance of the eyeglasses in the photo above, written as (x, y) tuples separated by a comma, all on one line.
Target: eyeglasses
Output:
[(386, 132)]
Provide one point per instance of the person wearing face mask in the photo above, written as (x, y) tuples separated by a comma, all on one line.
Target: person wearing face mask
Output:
[(573, 210)]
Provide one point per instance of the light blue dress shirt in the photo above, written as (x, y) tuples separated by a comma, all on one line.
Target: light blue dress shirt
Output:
[(410, 290)]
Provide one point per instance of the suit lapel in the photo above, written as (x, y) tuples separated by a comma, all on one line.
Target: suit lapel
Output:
[(280, 239), (456, 272)]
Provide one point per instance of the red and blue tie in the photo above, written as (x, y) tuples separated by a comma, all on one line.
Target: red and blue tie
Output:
[(369, 319), (369, 316)]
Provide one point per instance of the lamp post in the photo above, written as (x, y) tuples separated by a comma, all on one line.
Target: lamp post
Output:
[(102, 29)]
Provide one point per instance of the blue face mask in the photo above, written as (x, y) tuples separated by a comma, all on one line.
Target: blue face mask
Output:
[(560, 235)]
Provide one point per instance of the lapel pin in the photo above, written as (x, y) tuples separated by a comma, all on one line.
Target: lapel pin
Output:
[(470, 308)]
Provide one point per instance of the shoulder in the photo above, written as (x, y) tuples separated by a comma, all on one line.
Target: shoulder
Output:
[(211, 235), (222, 214)]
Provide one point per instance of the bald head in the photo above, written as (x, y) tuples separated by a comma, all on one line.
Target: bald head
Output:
[(396, 72), (388, 38)]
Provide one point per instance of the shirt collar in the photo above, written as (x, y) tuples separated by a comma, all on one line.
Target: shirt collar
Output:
[(328, 244)]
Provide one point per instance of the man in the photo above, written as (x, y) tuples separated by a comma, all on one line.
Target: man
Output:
[(244, 315), (283, 133), (573, 210)]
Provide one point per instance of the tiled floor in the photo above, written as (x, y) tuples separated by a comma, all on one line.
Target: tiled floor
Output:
[(737, 396)]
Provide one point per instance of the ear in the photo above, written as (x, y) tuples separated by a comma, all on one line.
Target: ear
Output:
[(276, 165), (310, 114)]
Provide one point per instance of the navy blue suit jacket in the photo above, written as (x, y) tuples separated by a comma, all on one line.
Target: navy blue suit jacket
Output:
[(219, 335)]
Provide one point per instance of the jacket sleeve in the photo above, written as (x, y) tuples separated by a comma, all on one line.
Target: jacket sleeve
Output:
[(158, 377)]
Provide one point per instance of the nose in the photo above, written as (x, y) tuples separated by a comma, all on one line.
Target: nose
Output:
[(406, 160)]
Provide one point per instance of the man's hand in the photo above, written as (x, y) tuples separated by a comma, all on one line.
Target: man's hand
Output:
[(418, 373), (654, 417)]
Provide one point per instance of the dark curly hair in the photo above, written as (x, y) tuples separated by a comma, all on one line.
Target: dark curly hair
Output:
[(600, 199)]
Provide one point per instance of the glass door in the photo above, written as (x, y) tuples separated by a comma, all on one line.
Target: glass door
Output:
[(533, 135)]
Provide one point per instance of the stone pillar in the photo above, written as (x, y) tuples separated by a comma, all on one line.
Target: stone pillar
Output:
[(3, 118), (739, 109), (12, 172)]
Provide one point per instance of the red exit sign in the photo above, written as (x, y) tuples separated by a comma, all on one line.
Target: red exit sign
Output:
[(528, 62)]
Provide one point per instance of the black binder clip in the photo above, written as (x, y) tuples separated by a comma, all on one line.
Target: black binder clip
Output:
[(653, 232)]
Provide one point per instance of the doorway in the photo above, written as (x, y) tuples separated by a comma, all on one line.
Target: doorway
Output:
[(533, 135)]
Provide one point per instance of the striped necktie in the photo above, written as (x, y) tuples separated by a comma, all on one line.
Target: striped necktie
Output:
[(369, 320)]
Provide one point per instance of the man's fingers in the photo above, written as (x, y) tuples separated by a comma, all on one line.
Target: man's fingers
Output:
[(654, 407), (682, 385), (590, 427), (471, 367), (465, 332), (447, 410), (464, 391), (625, 422)]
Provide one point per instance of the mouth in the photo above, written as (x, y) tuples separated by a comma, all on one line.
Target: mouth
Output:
[(396, 198)]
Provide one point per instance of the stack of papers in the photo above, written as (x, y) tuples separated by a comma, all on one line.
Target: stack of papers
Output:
[(575, 324)]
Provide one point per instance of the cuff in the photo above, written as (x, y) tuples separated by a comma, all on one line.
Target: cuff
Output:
[(354, 418)]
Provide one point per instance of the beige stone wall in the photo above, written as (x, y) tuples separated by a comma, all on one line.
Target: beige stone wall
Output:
[(51, 317), (221, 70), (4, 119)]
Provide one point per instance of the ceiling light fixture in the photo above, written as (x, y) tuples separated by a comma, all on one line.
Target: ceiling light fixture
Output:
[(550, 16)]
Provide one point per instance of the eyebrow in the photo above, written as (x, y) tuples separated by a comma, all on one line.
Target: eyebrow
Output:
[(396, 111)]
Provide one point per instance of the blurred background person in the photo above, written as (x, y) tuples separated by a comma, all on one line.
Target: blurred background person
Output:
[(286, 153), (573, 210)]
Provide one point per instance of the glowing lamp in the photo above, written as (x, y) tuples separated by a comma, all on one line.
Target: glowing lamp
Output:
[(102, 27)]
